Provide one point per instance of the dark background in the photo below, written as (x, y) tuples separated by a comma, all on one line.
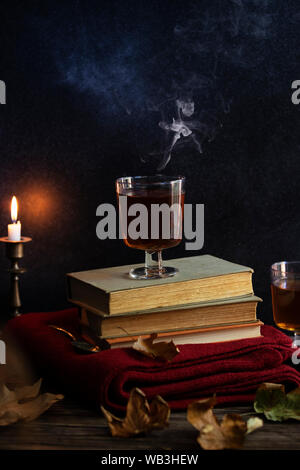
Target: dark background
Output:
[(87, 84)]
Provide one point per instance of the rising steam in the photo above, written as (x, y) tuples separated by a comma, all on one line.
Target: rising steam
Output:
[(180, 128), (220, 39), (168, 87)]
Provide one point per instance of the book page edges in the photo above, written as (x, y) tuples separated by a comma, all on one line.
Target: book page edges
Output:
[(195, 290), (168, 333), (188, 306)]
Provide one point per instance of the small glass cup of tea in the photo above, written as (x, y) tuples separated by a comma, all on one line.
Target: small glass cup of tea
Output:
[(285, 288), (151, 214)]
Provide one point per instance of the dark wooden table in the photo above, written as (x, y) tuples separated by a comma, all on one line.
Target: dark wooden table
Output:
[(72, 426)]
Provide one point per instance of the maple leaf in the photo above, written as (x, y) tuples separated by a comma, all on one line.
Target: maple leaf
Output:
[(229, 434), (24, 403), (165, 350), (141, 417)]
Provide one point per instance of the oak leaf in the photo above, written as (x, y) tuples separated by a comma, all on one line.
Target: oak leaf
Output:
[(24, 403), (164, 350), (141, 417)]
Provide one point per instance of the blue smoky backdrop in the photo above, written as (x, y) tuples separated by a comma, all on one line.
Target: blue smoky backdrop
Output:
[(101, 89)]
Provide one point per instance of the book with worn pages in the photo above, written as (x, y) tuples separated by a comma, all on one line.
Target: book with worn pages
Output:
[(197, 336), (237, 310), (204, 278)]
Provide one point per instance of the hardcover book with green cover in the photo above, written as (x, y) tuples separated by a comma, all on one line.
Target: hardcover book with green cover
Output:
[(200, 278)]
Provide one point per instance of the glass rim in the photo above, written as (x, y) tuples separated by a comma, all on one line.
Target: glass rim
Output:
[(142, 180), (277, 266)]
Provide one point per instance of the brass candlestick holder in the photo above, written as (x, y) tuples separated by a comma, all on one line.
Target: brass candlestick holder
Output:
[(14, 251)]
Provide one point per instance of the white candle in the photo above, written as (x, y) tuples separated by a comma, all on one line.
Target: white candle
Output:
[(14, 229)]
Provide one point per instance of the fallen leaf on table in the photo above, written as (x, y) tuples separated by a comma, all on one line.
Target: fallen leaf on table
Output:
[(141, 417), (253, 424), (24, 403), (229, 434), (160, 350), (277, 405)]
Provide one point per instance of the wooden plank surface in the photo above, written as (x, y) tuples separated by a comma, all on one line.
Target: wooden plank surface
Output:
[(72, 426)]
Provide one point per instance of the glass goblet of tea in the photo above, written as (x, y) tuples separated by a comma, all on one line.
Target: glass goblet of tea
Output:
[(285, 288), (151, 213)]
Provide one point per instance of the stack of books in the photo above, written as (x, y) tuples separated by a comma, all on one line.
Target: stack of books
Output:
[(209, 300)]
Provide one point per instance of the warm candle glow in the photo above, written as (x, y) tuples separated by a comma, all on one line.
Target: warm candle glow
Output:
[(14, 209), (14, 229)]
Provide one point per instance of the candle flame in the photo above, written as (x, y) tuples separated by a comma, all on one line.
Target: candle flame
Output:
[(14, 209)]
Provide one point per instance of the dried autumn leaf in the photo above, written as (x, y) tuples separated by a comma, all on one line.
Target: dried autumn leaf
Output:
[(234, 429), (202, 409), (229, 434), (161, 350), (277, 405), (24, 403), (140, 416), (253, 424)]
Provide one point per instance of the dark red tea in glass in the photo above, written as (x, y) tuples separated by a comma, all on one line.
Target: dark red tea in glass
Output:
[(285, 288), (162, 228)]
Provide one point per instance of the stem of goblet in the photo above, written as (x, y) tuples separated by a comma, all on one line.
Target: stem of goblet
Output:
[(151, 264), (159, 261)]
